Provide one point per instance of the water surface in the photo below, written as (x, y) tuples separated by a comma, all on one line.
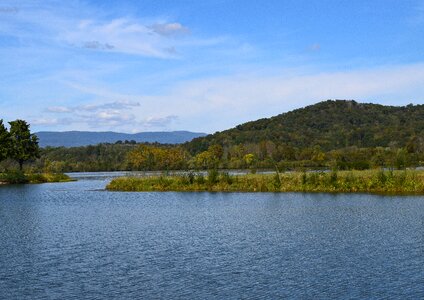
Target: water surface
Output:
[(76, 241)]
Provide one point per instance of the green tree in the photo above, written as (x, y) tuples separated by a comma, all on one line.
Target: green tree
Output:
[(24, 145), (4, 142)]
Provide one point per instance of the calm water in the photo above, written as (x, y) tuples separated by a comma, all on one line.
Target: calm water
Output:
[(75, 241)]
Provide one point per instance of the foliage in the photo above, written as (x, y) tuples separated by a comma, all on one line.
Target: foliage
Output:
[(17, 177), (213, 176), (24, 145), (331, 135), (330, 125), (5, 142), (146, 157), (13, 177), (101, 157)]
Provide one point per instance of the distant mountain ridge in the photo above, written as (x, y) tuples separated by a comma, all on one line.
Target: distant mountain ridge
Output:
[(85, 138)]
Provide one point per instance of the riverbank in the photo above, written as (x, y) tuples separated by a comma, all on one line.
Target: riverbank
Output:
[(20, 178), (370, 181)]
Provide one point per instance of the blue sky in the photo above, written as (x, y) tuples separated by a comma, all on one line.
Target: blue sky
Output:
[(205, 65)]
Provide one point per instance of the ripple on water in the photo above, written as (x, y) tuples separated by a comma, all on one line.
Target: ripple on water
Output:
[(72, 241)]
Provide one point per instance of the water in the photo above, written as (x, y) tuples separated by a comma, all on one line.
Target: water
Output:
[(76, 241)]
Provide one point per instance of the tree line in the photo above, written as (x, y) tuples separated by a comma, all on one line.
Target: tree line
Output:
[(264, 155), (342, 135)]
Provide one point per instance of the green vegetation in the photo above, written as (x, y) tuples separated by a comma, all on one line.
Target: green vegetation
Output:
[(19, 146), (341, 135), (112, 157), (5, 142), (330, 125), (375, 181), (331, 135), (15, 177), (23, 145)]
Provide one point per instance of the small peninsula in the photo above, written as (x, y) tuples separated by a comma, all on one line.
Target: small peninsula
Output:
[(369, 181)]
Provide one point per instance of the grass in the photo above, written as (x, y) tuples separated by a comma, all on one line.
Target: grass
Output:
[(16, 177), (370, 181)]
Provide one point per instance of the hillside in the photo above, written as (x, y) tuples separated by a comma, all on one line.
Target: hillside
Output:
[(84, 138), (329, 124)]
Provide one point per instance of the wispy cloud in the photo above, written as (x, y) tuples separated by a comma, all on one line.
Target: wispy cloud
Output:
[(77, 66), (159, 122), (117, 114), (115, 105), (218, 103), (125, 35), (45, 121), (8, 10), (90, 30), (169, 29), (59, 109), (223, 102), (96, 45)]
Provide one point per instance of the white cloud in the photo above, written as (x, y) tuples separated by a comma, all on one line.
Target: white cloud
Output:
[(217, 103), (59, 109), (44, 121), (9, 10), (96, 45), (115, 105), (159, 122), (125, 35), (169, 29), (85, 27), (109, 115)]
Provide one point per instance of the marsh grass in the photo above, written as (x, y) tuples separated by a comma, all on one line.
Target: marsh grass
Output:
[(17, 177), (370, 181)]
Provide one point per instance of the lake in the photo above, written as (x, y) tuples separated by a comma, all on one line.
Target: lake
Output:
[(76, 241)]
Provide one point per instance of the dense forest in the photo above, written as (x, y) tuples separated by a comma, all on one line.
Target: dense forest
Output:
[(330, 125), (337, 134)]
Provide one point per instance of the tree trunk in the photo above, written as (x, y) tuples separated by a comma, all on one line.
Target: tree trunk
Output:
[(21, 164)]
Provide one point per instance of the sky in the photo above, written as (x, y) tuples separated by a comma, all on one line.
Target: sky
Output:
[(203, 66)]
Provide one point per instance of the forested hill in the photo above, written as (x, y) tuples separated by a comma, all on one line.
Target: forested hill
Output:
[(329, 124), (84, 138)]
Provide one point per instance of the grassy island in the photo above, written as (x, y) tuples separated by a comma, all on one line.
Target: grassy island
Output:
[(17, 177), (370, 181)]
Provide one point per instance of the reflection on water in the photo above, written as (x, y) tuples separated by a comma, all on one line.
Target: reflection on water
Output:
[(76, 241)]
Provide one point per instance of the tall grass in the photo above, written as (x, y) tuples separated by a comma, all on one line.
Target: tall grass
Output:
[(17, 177), (372, 181)]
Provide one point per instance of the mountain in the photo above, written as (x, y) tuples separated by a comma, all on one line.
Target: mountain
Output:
[(84, 138), (331, 124)]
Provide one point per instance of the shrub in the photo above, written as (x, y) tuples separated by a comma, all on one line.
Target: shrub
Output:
[(36, 178), (14, 177), (276, 181), (191, 177), (227, 178), (200, 178), (213, 176)]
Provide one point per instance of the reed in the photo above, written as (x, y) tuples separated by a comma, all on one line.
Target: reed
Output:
[(370, 181)]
